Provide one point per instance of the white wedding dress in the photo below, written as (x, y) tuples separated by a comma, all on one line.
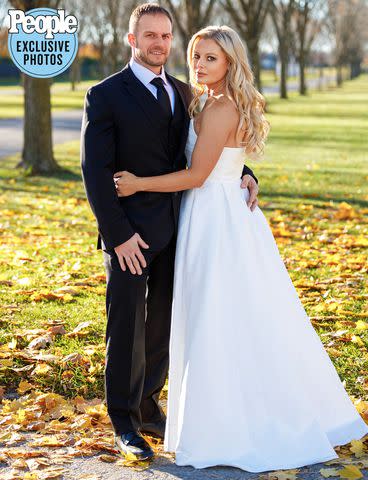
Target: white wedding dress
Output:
[(250, 383)]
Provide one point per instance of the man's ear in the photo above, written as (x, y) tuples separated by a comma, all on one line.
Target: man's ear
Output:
[(131, 39)]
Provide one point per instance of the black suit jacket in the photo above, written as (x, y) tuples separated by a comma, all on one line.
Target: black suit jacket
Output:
[(121, 130)]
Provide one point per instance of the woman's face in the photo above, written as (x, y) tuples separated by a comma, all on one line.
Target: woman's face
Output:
[(209, 62)]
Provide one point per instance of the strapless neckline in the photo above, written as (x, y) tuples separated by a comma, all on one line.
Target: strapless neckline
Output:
[(230, 148)]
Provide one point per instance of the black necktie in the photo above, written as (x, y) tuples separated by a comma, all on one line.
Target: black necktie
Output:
[(162, 95)]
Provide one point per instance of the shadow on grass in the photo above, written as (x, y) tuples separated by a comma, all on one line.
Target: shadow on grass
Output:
[(63, 174), (268, 194), (352, 141), (60, 175), (341, 115)]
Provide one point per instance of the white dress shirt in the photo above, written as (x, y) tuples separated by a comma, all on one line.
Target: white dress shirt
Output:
[(145, 75)]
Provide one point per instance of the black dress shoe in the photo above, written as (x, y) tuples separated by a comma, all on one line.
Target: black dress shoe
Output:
[(156, 429), (132, 443)]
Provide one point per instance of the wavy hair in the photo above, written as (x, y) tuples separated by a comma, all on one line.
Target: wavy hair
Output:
[(239, 86)]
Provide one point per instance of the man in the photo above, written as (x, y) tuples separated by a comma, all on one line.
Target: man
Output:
[(137, 120)]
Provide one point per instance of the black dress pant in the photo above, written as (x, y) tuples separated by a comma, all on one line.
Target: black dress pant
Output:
[(137, 337)]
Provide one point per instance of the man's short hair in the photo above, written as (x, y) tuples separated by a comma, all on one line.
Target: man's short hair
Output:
[(146, 9)]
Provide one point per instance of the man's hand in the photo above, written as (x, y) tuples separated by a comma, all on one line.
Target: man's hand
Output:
[(130, 255), (249, 182)]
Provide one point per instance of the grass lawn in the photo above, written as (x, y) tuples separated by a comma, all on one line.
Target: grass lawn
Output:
[(313, 190)]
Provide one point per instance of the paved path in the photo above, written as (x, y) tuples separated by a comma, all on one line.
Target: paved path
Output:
[(164, 468), (65, 127), (66, 124)]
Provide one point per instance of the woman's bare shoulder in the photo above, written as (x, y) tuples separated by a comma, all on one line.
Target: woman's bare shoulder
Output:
[(222, 109)]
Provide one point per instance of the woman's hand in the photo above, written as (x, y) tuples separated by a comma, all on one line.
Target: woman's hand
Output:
[(125, 183)]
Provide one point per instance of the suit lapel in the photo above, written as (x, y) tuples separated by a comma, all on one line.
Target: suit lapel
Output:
[(178, 90), (145, 100)]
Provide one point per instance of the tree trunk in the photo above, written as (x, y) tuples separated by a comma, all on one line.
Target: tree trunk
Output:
[(302, 82), (339, 75), (184, 44), (355, 69), (37, 157), (283, 74), (253, 49), (320, 78), (75, 72)]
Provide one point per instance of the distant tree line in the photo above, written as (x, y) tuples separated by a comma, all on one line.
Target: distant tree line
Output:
[(293, 26)]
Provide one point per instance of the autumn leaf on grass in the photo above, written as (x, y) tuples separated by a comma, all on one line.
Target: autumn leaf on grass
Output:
[(56, 330), (281, 475), (71, 291), (40, 342), (94, 279), (24, 387), (75, 359), (362, 408), (361, 325), (77, 266), (6, 362), (351, 472), (363, 462), (80, 330), (333, 352), (356, 339), (41, 369), (280, 231), (345, 212), (12, 344), (329, 472), (353, 314), (42, 356), (357, 447), (47, 295)]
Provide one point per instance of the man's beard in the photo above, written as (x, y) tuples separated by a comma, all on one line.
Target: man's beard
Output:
[(143, 58)]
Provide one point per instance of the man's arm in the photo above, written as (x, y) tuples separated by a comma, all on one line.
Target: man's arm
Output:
[(97, 162), (248, 171)]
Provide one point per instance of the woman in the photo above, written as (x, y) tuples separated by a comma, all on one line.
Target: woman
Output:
[(250, 384)]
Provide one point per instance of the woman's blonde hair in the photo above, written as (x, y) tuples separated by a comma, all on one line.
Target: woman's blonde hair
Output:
[(239, 85)]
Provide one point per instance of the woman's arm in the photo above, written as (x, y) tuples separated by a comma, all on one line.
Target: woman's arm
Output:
[(218, 121)]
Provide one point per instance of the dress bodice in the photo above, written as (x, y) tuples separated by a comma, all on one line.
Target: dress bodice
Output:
[(229, 165)]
